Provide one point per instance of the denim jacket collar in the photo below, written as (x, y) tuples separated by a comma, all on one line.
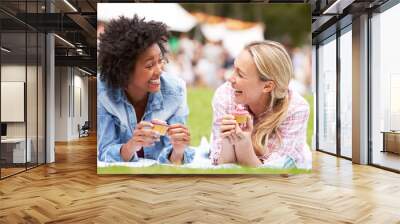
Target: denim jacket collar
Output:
[(155, 100)]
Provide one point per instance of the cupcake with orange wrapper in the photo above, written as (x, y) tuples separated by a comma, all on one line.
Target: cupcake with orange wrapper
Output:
[(241, 115), (160, 126)]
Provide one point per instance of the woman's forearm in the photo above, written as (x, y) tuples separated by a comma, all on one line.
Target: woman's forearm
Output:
[(227, 154), (176, 157), (246, 155), (127, 151)]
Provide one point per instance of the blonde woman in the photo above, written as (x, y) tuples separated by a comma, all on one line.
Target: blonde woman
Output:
[(275, 132)]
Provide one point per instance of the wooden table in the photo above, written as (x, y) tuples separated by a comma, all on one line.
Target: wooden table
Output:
[(391, 141)]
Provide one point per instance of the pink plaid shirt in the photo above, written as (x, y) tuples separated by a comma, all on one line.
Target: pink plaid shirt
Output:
[(293, 129)]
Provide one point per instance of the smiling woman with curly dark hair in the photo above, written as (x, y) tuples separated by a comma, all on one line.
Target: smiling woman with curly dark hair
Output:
[(141, 110), (124, 40)]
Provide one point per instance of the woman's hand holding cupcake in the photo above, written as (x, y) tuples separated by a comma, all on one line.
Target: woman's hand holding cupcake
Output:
[(237, 127), (143, 136), (244, 120), (160, 126), (179, 136)]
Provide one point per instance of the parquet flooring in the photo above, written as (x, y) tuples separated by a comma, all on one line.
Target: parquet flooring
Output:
[(70, 191), (10, 171)]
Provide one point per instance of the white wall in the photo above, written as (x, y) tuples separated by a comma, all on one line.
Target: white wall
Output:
[(13, 73), (61, 103), (17, 73), (70, 83), (34, 124)]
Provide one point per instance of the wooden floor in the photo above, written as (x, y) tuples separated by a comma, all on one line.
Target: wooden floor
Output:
[(387, 159), (10, 171), (70, 191)]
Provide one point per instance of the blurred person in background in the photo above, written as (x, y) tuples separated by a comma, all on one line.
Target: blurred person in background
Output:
[(210, 66), (301, 70), (187, 46)]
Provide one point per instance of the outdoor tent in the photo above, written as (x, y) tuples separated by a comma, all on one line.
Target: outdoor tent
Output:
[(233, 40), (233, 33), (172, 14)]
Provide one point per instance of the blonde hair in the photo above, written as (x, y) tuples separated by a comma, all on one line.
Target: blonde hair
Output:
[(273, 64)]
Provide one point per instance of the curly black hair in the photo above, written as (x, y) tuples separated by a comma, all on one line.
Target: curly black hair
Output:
[(123, 40)]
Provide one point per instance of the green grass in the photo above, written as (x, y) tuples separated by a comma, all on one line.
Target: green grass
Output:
[(310, 125), (200, 116), (163, 169)]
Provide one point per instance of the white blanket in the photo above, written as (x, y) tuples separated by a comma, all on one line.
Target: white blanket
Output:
[(200, 161)]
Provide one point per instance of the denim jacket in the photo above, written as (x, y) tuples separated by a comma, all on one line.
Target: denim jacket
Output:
[(116, 119)]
